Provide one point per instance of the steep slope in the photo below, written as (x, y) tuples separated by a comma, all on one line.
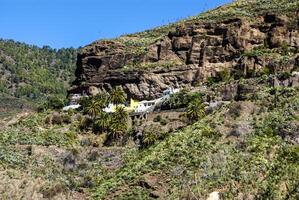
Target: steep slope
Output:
[(244, 148), (247, 149), (244, 38), (242, 60)]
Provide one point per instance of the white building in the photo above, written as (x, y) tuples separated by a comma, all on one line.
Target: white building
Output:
[(145, 106)]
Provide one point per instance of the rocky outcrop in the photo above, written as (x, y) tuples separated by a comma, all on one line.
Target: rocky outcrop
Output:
[(190, 54)]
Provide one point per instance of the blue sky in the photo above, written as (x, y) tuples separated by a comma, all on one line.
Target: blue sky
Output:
[(66, 23)]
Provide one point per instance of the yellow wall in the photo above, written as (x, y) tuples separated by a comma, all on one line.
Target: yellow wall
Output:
[(133, 105), (131, 108)]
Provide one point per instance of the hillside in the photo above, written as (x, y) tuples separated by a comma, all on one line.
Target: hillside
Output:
[(231, 132), (32, 73), (244, 148), (243, 39)]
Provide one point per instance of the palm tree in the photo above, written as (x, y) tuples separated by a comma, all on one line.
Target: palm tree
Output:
[(103, 121), (102, 99), (119, 122), (117, 96), (84, 101), (195, 110), (92, 108), (120, 114)]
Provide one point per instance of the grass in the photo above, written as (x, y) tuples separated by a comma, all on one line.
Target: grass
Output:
[(139, 42), (199, 160), (10, 106), (148, 65), (191, 162), (34, 152)]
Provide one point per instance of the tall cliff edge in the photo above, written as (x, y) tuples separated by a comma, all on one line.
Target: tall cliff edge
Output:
[(241, 39)]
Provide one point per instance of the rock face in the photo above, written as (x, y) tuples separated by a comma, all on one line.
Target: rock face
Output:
[(190, 54)]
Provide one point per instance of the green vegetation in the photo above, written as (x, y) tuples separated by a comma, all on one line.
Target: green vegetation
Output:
[(119, 122), (139, 42), (114, 124), (190, 162), (152, 135), (250, 9), (117, 96), (31, 72), (149, 65), (195, 110), (199, 159), (245, 149), (27, 132), (222, 76), (181, 99), (93, 108)]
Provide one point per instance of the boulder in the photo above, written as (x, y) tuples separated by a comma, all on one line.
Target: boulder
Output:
[(69, 162), (214, 196)]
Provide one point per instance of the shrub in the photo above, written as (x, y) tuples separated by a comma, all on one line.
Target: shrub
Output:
[(149, 138), (151, 134), (85, 123), (284, 76), (48, 120), (56, 119), (66, 119), (220, 77), (157, 118), (163, 122), (55, 102), (181, 99), (195, 110), (209, 132), (235, 110)]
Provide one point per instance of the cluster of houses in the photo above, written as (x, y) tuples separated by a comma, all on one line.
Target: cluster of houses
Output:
[(133, 106)]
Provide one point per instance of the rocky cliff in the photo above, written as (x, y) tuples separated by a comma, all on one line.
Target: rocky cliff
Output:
[(215, 44)]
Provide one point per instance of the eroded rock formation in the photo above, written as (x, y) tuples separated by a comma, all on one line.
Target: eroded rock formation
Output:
[(191, 53)]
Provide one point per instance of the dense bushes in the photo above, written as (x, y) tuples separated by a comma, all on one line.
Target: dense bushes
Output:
[(114, 124), (180, 99), (195, 110), (52, 102), (151, 135)]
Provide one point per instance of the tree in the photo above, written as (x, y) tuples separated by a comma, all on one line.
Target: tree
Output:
[(103, 122), (84, 101), (120, 114), (102, 99), (92, 108), (117, 96), (195, 110), (119, 122)]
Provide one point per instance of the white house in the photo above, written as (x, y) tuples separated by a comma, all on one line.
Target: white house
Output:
[(149, 106), (145, 106)]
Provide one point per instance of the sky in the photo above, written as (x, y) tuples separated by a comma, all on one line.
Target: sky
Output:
[(74, 23)]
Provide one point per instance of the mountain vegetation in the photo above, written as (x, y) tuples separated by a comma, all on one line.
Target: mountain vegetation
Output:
[(35, 74), (231, 132)]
